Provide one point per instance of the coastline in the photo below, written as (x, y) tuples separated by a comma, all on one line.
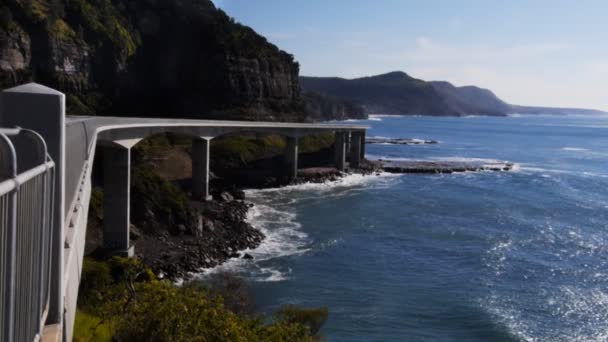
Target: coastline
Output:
[(225, 232)]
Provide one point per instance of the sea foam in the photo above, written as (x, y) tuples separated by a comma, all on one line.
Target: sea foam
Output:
[(274, 214)]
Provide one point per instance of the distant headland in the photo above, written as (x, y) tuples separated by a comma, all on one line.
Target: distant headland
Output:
[(398, 93)]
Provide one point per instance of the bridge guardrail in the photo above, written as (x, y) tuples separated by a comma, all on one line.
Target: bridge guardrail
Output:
[(26, 194)]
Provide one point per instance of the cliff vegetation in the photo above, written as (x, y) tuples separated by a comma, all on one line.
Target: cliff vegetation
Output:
[(121, 300)]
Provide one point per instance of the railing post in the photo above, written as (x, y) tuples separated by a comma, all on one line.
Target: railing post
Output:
[(10, 171), (42, 109)]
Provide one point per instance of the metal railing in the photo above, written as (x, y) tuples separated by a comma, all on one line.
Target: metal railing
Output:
[(26, 230)]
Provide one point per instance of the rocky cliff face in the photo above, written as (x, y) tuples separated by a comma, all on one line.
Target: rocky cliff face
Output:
[(147, 57)]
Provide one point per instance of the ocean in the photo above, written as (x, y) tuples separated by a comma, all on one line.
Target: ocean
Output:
[(489, 256)]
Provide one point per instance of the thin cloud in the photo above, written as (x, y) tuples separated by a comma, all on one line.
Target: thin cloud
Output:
[(428, 50)]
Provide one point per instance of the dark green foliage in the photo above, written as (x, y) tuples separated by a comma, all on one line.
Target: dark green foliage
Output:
[(6, 17), (103, 21), (120, 301), (99, 276), (152, 194), (90, 328), (314, 143), (96, 276), (96, 203), (314, 319), (151, 147), (243, 149)]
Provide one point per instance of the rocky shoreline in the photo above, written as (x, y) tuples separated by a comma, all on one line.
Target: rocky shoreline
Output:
[(220, 230)]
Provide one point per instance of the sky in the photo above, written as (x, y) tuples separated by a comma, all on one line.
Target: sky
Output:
[(529, 52)]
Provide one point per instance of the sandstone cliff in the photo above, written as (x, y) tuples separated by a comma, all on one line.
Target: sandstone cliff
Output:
[(147, 57)]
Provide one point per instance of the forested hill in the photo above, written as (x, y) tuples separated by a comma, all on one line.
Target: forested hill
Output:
[(398, 93), (392, 93)]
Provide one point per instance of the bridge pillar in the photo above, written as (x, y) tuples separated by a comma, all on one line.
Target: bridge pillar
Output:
[(362, 146), (116, 199), (349, 145), (291, 158), (200, 169), (340, 151), (357, 142)]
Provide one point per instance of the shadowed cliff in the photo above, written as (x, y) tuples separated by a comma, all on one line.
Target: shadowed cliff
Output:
[(148, 57)]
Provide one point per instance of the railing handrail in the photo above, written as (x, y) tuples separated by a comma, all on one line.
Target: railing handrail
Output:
[(11, 184)]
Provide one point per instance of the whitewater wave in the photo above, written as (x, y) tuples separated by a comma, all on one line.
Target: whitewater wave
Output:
[(283, 238), (274, 214), (380, 116), (548, 172), (349, 182), (574, 149)]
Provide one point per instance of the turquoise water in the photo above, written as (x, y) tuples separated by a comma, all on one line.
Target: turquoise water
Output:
[(490, 256)]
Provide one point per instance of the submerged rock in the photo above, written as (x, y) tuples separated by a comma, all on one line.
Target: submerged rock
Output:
[(419, 166), (399, 141)]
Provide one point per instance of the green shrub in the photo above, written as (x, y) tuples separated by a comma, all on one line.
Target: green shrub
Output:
[(90, 328), (151, 193), (314, 143), (96, 276), (313, 319), (96, 203), (61, 30), (37, 10), (120, 300), (99, 276), (247, 148), (152, 146), (129, 269), (104, 20)]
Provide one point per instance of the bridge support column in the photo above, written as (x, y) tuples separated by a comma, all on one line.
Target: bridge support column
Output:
[(116, 199), (291, 158), (357, 142), (349, 143), (362, 149), (340, 151), (200, 169)]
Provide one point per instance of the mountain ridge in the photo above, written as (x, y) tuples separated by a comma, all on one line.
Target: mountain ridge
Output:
[(396, 92)]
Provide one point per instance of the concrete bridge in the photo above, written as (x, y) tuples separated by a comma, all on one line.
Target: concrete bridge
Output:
[(39, 282)]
